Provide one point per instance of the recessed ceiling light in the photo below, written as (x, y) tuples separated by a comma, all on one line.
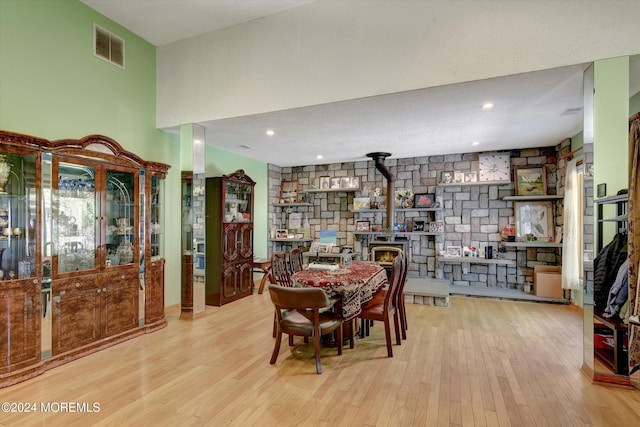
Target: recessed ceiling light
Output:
[(319, 157), (474, 143), (197, 141), (270, 132), (487, 105)]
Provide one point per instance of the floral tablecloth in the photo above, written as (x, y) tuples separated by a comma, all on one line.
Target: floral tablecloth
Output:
[(355, 285)]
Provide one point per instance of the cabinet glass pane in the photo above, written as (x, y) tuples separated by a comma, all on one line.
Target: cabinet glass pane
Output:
[(120, 212), (74, 227), (157, 218), (17, 216), (237, 204)]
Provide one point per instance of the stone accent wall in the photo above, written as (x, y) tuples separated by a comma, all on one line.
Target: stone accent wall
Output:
[(473, 215)]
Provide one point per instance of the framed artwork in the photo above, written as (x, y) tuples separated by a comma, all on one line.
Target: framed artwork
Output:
[(295, 220), (314, 183), (471, 177), (424, 200), (315, 245), (289, 191), (335, 184), (324, 182), (345, 182), (454, 251), (354, 182), (531, 180), (324, 248), (360, 203), (458, 177), (534, 221), (436, 227), (282, 233), (602, 190), (446, 177), (335, 249), (418, 225), (363, 225)]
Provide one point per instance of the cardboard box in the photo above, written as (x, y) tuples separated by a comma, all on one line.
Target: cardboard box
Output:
[(547, 281)]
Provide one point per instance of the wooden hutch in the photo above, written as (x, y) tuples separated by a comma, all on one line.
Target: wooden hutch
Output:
[(81, 245)]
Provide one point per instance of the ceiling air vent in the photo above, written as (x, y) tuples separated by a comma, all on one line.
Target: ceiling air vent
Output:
[(246, 147), (108, 46)]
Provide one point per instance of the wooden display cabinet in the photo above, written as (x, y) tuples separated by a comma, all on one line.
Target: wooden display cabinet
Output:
[(81, 224), (229, 238)]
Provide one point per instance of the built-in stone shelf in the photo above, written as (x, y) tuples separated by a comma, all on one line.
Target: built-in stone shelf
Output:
[(474, 260)]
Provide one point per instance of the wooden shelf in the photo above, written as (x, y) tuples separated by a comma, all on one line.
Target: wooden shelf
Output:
[(464, 184), (291, 240), (531, 245), (474, 260), (532, 198)]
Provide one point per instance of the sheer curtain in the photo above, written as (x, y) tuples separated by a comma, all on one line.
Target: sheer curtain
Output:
[(572, 235)]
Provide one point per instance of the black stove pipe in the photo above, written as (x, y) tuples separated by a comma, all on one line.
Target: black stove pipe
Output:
[(378, 159)]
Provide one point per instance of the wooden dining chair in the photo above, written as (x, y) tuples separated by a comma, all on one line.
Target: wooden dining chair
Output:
[(279, 269), (382, 307), (400, 304), (295, 260), (298, 313)]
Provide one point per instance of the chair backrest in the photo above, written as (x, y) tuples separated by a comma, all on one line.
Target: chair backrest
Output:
[(298, 298), (279, 269), (390, 299), (403, 276), (295, 260)]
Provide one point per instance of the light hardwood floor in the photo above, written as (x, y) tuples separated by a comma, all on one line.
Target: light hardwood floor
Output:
[(475, 363)]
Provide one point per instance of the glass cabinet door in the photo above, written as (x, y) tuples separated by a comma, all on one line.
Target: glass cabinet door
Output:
[(120, 216), (17, 216), (74, 218), (157, 218), (237, 202)]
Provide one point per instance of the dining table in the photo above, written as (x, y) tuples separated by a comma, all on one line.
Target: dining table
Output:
[(354, 285)]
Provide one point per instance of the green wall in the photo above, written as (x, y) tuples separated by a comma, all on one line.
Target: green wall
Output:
[(51, 86), (220, 162), (610, 130), (634, 104)]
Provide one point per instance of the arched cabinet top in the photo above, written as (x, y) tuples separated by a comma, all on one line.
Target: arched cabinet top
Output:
[(96, 147)]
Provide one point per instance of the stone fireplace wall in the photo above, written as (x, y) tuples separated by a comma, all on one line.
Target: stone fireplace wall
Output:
[(472, 215)]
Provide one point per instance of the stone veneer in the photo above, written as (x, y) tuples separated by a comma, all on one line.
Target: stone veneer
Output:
[(473, 215)]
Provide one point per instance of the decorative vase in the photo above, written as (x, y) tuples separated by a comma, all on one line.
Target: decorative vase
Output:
[(5, 169)]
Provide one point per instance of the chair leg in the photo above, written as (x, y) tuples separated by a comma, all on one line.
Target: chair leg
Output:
[(362, 327), (275, 324), (396, 326), (351, 326), (387, 334), (290, 340), (403, 320), (276, 349), (339, 333)]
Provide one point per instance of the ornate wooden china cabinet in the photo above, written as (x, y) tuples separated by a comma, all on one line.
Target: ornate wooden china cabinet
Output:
[(229, 238), (86, 234)]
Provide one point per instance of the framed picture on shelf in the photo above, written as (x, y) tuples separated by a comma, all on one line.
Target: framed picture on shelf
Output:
[(360, 203), (453, 251), (335, 184), (345, 182), (534, 221), (531, 180), (471, 177), (418, 225), (314, 183), (436, 227), (295, 220), (354, 182), (324, 248), (282, 233), (324, 183), (446, 177), (289, 191), (424, 200), (335, 249), (313, 248), (458, 177), (363, 225)]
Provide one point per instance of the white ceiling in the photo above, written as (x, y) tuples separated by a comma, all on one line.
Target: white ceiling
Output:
[(446, 119)]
